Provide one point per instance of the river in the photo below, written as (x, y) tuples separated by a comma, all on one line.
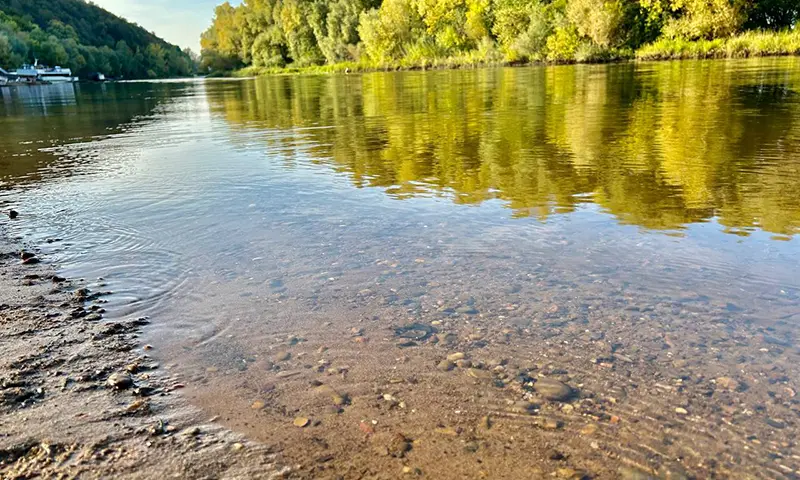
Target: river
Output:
[(629, 230)]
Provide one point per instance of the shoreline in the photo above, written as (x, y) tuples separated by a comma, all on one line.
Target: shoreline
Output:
[(744, 46), (80, 395)]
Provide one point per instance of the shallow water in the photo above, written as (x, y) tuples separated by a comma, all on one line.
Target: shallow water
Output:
[(649, 211)]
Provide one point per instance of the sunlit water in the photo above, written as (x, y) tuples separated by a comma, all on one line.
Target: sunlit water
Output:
[(251, 208)]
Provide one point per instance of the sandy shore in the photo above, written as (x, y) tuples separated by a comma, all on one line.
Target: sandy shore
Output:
[(81, 398)]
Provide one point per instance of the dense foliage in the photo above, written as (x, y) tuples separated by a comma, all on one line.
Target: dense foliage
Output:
[(276, 33), (85, 38)]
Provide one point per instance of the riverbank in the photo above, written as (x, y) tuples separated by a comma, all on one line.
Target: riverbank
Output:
[(80, 396), (744, 45)]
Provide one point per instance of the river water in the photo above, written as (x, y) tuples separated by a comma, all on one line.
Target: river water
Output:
[(630, 230)]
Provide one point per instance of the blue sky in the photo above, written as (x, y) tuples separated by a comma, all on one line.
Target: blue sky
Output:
[(178, 21)]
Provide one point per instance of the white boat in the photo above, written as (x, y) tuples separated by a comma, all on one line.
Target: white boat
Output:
[(37, 73), (27, 73), (56, 75)]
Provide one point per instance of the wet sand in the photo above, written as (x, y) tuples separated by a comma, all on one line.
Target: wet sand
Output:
[(60, 416)]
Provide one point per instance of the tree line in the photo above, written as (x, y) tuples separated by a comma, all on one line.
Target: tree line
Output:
[(277, 33), (86, 39)]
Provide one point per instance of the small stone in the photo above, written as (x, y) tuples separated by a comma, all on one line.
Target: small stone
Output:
[(120, 381), (138, 405), (282, 356), (774, 423), (571, 474), (30, 261), (453, 357), (464, 363), (366, 428), (445, 365), (449, 431), (727, 383), (550, 424), (399, 446), (589, 429), (258, 405), (479, 374), (26, 255), (301, 422), (237, 446), (630, 473), (681, 411), (467, 310), (485, 423), (552, 389), (12, 214)]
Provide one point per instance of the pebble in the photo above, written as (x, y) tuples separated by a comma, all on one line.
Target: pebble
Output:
[(485, 422), (479, 374), (301, 422), (464, 363), (454, 357), (445, 365), (12, 214), (237, 446), (629, 473), (589, 429), (681, 411), (120, 381), (727, 383), (552, 389), (258, 405), (282, 356), (399, 446), (449, 431), (774, 423), (571, 473), (550, 424), (30, 261)]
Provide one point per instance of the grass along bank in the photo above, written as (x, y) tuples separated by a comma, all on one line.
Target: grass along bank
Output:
[(748, 44), (744, 45)]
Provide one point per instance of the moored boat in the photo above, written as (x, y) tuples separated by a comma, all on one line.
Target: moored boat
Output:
[(56, 75), (37, 73)]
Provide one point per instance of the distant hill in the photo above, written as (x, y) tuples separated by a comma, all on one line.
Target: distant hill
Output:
[(85, 38)]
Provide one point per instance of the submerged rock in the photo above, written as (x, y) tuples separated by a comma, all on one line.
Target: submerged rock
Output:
[(301, 422), (552, 389), (415, 331), (120, 381)]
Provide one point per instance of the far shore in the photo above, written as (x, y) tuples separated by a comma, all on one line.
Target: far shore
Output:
[(742, 46)]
